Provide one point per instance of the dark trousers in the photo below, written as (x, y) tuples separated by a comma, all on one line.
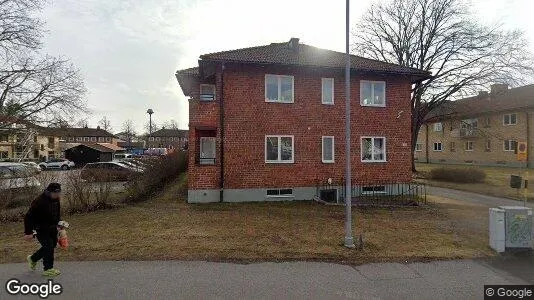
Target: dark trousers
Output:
[(48, 241)]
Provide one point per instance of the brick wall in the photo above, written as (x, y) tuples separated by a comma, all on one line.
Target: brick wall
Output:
[(496, 133), (248, 118)]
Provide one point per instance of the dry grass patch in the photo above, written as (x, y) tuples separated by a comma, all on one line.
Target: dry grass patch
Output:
[(168, 228), (496, 183)]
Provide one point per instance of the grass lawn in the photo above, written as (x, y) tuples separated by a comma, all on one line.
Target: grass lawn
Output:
[(497, 182), (167, 228)]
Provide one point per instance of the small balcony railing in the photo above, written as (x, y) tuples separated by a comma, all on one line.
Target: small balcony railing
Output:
[(468, 132)]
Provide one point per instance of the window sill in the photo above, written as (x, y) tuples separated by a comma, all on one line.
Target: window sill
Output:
[(372, 105), (277, 101), (282, 196), (374, 161), (328, 162), (278, 162), (326, 103)]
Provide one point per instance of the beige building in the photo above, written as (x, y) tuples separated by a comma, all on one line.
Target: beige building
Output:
[(481, 130)]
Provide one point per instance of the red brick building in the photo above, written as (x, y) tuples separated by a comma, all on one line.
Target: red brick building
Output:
[(267, 123)]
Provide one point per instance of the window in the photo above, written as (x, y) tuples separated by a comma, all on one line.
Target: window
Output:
[(488, 145), (470, 124), (171, 139), (207, 151), (151, 139), (328, 149), (86, 139), (509, 119), (207, 92), (279, 149), (4, 138), (418, 147), (373, 149), (108, 139), (469, 146), (438, 146), (438, 127), (279, 88), (93, 139), (158, 139), (71, 139), (509, 145), (79, 139), (453, 146), (280, 193), (327, 89), (372, 93), (487, 122)]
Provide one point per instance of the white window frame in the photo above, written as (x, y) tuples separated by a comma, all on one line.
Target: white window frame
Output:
[(438, 127), (510, 145), (469, 143), (509, 119), (279, 190), (322, 149), (279, 160), (86, 139), (323, 81), (372, 92), (488, 145), (418, 147), (372, 160), (434, 147), (279, 79), (214, 92), (93, 139)]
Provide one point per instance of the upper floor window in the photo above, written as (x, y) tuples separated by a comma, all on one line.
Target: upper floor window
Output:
[(207, 92), (93, 139), (79, 139), (453, 146), (279, 149), (151, 139), (373, 149), (279, 88), (487, 122), (328, 149), (373, 93), (86, 139), (418, 147), (327, 88), (509, 119), (469, 146), (470, 124), (438, 127)]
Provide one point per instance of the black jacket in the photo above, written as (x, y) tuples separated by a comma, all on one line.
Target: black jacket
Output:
[(43, 215)]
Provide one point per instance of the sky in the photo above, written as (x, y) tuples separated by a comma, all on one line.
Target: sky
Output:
[(129, 50)]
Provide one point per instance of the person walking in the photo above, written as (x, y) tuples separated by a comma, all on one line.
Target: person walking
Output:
[(43, 217)]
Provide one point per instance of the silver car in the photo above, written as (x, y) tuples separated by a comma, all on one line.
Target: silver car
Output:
[(57, 163), (16, 176)]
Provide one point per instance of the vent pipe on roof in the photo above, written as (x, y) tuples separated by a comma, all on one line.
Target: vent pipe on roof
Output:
[(294, 44)]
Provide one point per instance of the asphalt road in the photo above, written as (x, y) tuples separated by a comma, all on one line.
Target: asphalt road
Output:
[(474, 197), (291, 280)]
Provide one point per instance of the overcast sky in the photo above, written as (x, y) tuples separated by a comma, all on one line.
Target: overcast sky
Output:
[(129, 50)]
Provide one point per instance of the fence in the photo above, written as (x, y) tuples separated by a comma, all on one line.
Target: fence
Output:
[(373, 193)]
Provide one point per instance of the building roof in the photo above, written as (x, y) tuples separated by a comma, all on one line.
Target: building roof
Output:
[(305, 55), (75, 132), (164, 132), (503, 100), (101, 147)]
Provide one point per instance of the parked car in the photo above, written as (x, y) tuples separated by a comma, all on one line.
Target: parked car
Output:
[(131, 164), (57, 163), (107, 171), (17, 176), (120, 156), (33, 166)]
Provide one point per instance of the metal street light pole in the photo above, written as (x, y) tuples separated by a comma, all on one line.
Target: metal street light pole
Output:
[(150, 112), (349, 240)]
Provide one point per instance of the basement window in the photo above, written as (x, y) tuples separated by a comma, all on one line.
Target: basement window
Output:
[(271, 193), (207, 92), (377, 189)]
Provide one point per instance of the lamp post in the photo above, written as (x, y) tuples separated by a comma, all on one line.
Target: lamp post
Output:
[(349, 240), (149, 112)]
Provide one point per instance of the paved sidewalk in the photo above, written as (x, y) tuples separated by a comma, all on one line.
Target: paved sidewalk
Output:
[(462, 279), (490, 201)]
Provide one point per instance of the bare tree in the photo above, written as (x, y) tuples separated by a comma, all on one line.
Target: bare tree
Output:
[(129, 130), (155, 127), (171, 124), (441, 36), (82, 123), (33, 88), (105, 124)]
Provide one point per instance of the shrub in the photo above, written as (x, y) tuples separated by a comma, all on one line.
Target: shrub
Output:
[(158, 172), (459, 175)]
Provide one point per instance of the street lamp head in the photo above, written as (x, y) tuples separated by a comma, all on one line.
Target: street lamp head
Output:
[(150, 111)]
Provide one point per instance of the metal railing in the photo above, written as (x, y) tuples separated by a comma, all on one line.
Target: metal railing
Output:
[(373, 193)]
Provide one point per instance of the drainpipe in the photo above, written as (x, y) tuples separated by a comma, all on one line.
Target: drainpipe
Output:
[(221, 118), (528, 139), (427, 150)]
